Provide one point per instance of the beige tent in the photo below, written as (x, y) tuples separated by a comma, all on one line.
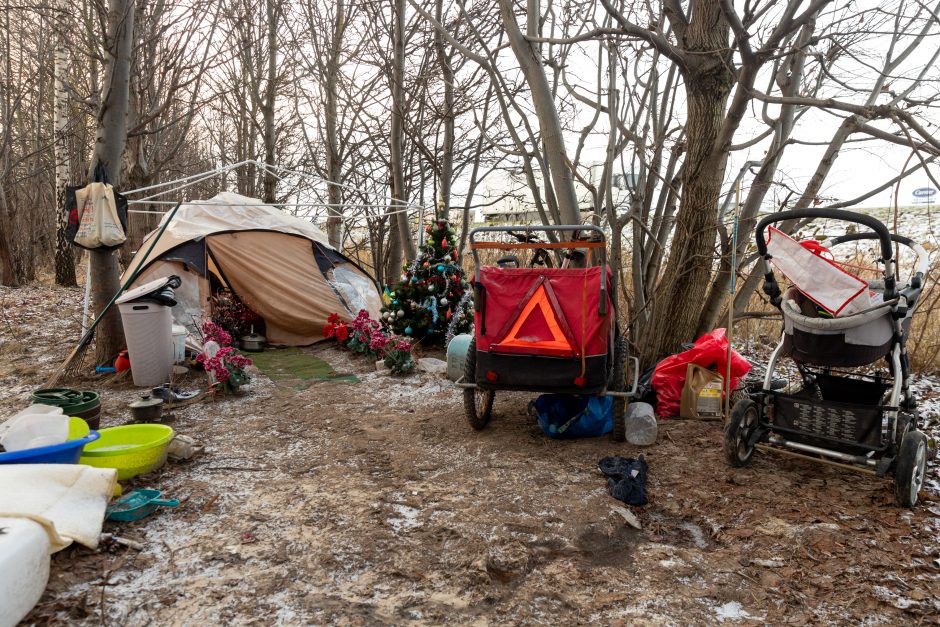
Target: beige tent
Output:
[(282, 267)]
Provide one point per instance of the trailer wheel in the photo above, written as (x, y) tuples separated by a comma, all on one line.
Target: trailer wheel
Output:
[(477, 403), (911, 468), (741, 426), (618, 384)]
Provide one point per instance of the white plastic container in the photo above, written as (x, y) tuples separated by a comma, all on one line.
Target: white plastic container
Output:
[(34, 430), (179, 343), (641, 424), (148, 328), (32, 409), (24, 567)]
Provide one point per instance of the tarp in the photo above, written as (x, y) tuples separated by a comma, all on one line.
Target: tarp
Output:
[(280, 266)]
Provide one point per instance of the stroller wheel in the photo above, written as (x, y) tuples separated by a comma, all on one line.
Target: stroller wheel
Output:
[(738, 432), (477, 403), (911, 468)]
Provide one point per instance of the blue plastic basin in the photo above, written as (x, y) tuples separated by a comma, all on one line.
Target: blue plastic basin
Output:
[(65, 453)]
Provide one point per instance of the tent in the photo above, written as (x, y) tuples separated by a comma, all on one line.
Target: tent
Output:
[(280, 266)]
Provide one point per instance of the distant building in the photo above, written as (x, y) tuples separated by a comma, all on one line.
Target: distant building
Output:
[(507, 198)]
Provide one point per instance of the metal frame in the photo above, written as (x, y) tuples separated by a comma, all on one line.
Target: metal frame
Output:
[(564, 228), (636, 382)]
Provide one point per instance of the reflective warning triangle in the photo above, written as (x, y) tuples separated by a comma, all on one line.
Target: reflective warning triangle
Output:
[(539, 327)]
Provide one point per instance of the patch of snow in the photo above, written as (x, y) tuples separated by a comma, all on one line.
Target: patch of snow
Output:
[(407, 518), (732, 610)]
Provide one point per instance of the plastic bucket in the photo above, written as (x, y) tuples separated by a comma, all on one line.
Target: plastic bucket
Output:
[(457, 355), (148, 328), (179, 343), (84, 404)]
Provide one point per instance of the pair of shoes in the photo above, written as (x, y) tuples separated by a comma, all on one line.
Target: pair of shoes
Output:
[(172, 395)]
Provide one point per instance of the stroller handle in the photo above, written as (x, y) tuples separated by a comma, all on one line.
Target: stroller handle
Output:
[(884, 236)]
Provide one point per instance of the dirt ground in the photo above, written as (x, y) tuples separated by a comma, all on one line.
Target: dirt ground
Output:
[(375, 502)]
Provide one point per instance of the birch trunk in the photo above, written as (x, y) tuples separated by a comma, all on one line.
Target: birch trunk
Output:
[(334, 160), (64, 261)]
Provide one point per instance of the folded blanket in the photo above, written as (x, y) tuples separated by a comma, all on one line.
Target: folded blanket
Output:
[(68, 500)]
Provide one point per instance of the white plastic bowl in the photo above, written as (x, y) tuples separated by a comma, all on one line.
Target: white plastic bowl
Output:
[(34, 430)]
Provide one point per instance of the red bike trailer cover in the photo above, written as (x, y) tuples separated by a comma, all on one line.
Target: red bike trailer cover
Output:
[(542, 311)]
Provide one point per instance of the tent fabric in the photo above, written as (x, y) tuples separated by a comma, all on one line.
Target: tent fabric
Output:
[(226, 212), (295, 300), (280, 266)]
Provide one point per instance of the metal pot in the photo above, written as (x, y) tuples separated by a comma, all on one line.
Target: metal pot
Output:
[(147, 409), (253, 343)]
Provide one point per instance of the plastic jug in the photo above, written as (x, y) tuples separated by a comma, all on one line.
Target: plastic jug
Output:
[(641, 424)]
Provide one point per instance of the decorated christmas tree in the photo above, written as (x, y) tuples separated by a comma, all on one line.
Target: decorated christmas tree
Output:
[(433, 300)]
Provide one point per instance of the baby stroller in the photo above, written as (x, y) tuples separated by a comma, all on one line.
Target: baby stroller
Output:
[(543, 329), (853, 419)]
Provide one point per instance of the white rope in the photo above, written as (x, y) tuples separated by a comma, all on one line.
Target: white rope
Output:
[(218, 204), (193, 179), (214, 172)]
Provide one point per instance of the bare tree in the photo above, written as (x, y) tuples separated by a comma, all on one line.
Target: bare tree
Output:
[(109, 149)]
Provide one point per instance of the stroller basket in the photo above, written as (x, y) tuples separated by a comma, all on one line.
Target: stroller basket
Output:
[(838, 411), (824, 424), (843, 342)]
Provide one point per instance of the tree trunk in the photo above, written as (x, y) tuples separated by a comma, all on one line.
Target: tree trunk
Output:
[(334, 160), (397, 136), (562, 179), (64, 261), (688, 271), (270, 94), (447, 147), (110, 140)]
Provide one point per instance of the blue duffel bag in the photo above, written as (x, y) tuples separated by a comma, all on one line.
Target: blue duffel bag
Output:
[(571, 416)]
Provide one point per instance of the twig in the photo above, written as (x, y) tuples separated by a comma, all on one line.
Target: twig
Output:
[(249, 469), (133, 544)]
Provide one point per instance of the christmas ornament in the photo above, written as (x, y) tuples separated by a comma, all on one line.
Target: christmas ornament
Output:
[(440, 268), (430, 288), (401, 313), (447, 258), (444, 302), (408, 330)]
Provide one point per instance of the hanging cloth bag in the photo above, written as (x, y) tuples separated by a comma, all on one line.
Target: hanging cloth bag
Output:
[(99, 224)]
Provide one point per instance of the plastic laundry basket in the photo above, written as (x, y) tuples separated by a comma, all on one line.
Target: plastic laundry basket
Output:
[(148, 329)]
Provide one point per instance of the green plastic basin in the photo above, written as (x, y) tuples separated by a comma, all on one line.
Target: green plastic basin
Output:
[(132, 449)]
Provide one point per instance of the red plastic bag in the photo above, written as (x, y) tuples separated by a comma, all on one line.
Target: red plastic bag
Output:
[(709, 351)]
